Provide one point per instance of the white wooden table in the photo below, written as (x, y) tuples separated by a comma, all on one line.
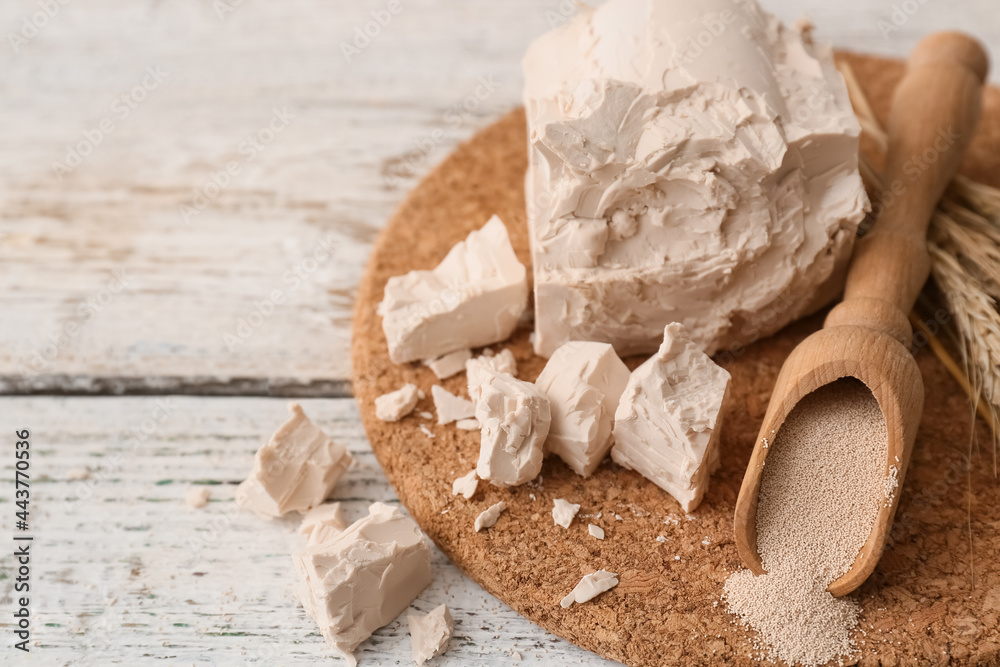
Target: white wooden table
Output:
[(188, 191)]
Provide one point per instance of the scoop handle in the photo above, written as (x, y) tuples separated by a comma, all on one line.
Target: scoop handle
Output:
[(933, 117)]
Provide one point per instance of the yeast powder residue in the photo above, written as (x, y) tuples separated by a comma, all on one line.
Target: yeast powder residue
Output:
[(823, 484)]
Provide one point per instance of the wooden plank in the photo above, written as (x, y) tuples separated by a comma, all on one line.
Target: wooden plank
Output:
[(124, 571), (364, 130)]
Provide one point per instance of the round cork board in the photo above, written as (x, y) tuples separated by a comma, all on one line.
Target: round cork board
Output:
[(934, 598)]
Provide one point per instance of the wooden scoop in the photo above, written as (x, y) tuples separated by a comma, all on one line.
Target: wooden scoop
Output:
[(934, 114)]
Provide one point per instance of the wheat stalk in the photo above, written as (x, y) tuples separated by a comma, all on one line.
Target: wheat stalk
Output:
[(983, 407), (964, 245)]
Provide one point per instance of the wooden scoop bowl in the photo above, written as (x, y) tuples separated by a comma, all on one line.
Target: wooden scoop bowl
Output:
[(933, 117)]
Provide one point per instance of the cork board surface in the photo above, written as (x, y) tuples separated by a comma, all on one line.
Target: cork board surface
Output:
[(934, 597)]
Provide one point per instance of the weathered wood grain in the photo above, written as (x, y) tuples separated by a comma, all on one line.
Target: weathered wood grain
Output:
[(364, 130), (124, 572)]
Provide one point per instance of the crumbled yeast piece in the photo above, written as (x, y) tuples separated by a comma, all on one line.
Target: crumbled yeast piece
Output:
[(479, 369), (197, 496), (711, 182), (296, 470), (891, 484), (449, 407), (563, 512), (590, 587), (363, 578), (583, 382), (397, 404), (515, 420), (323, 523), (448, 364), (429, 633), (474, 297), (668, 421), (467, 424), (595, 531), (489, 516), (465, 485)]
